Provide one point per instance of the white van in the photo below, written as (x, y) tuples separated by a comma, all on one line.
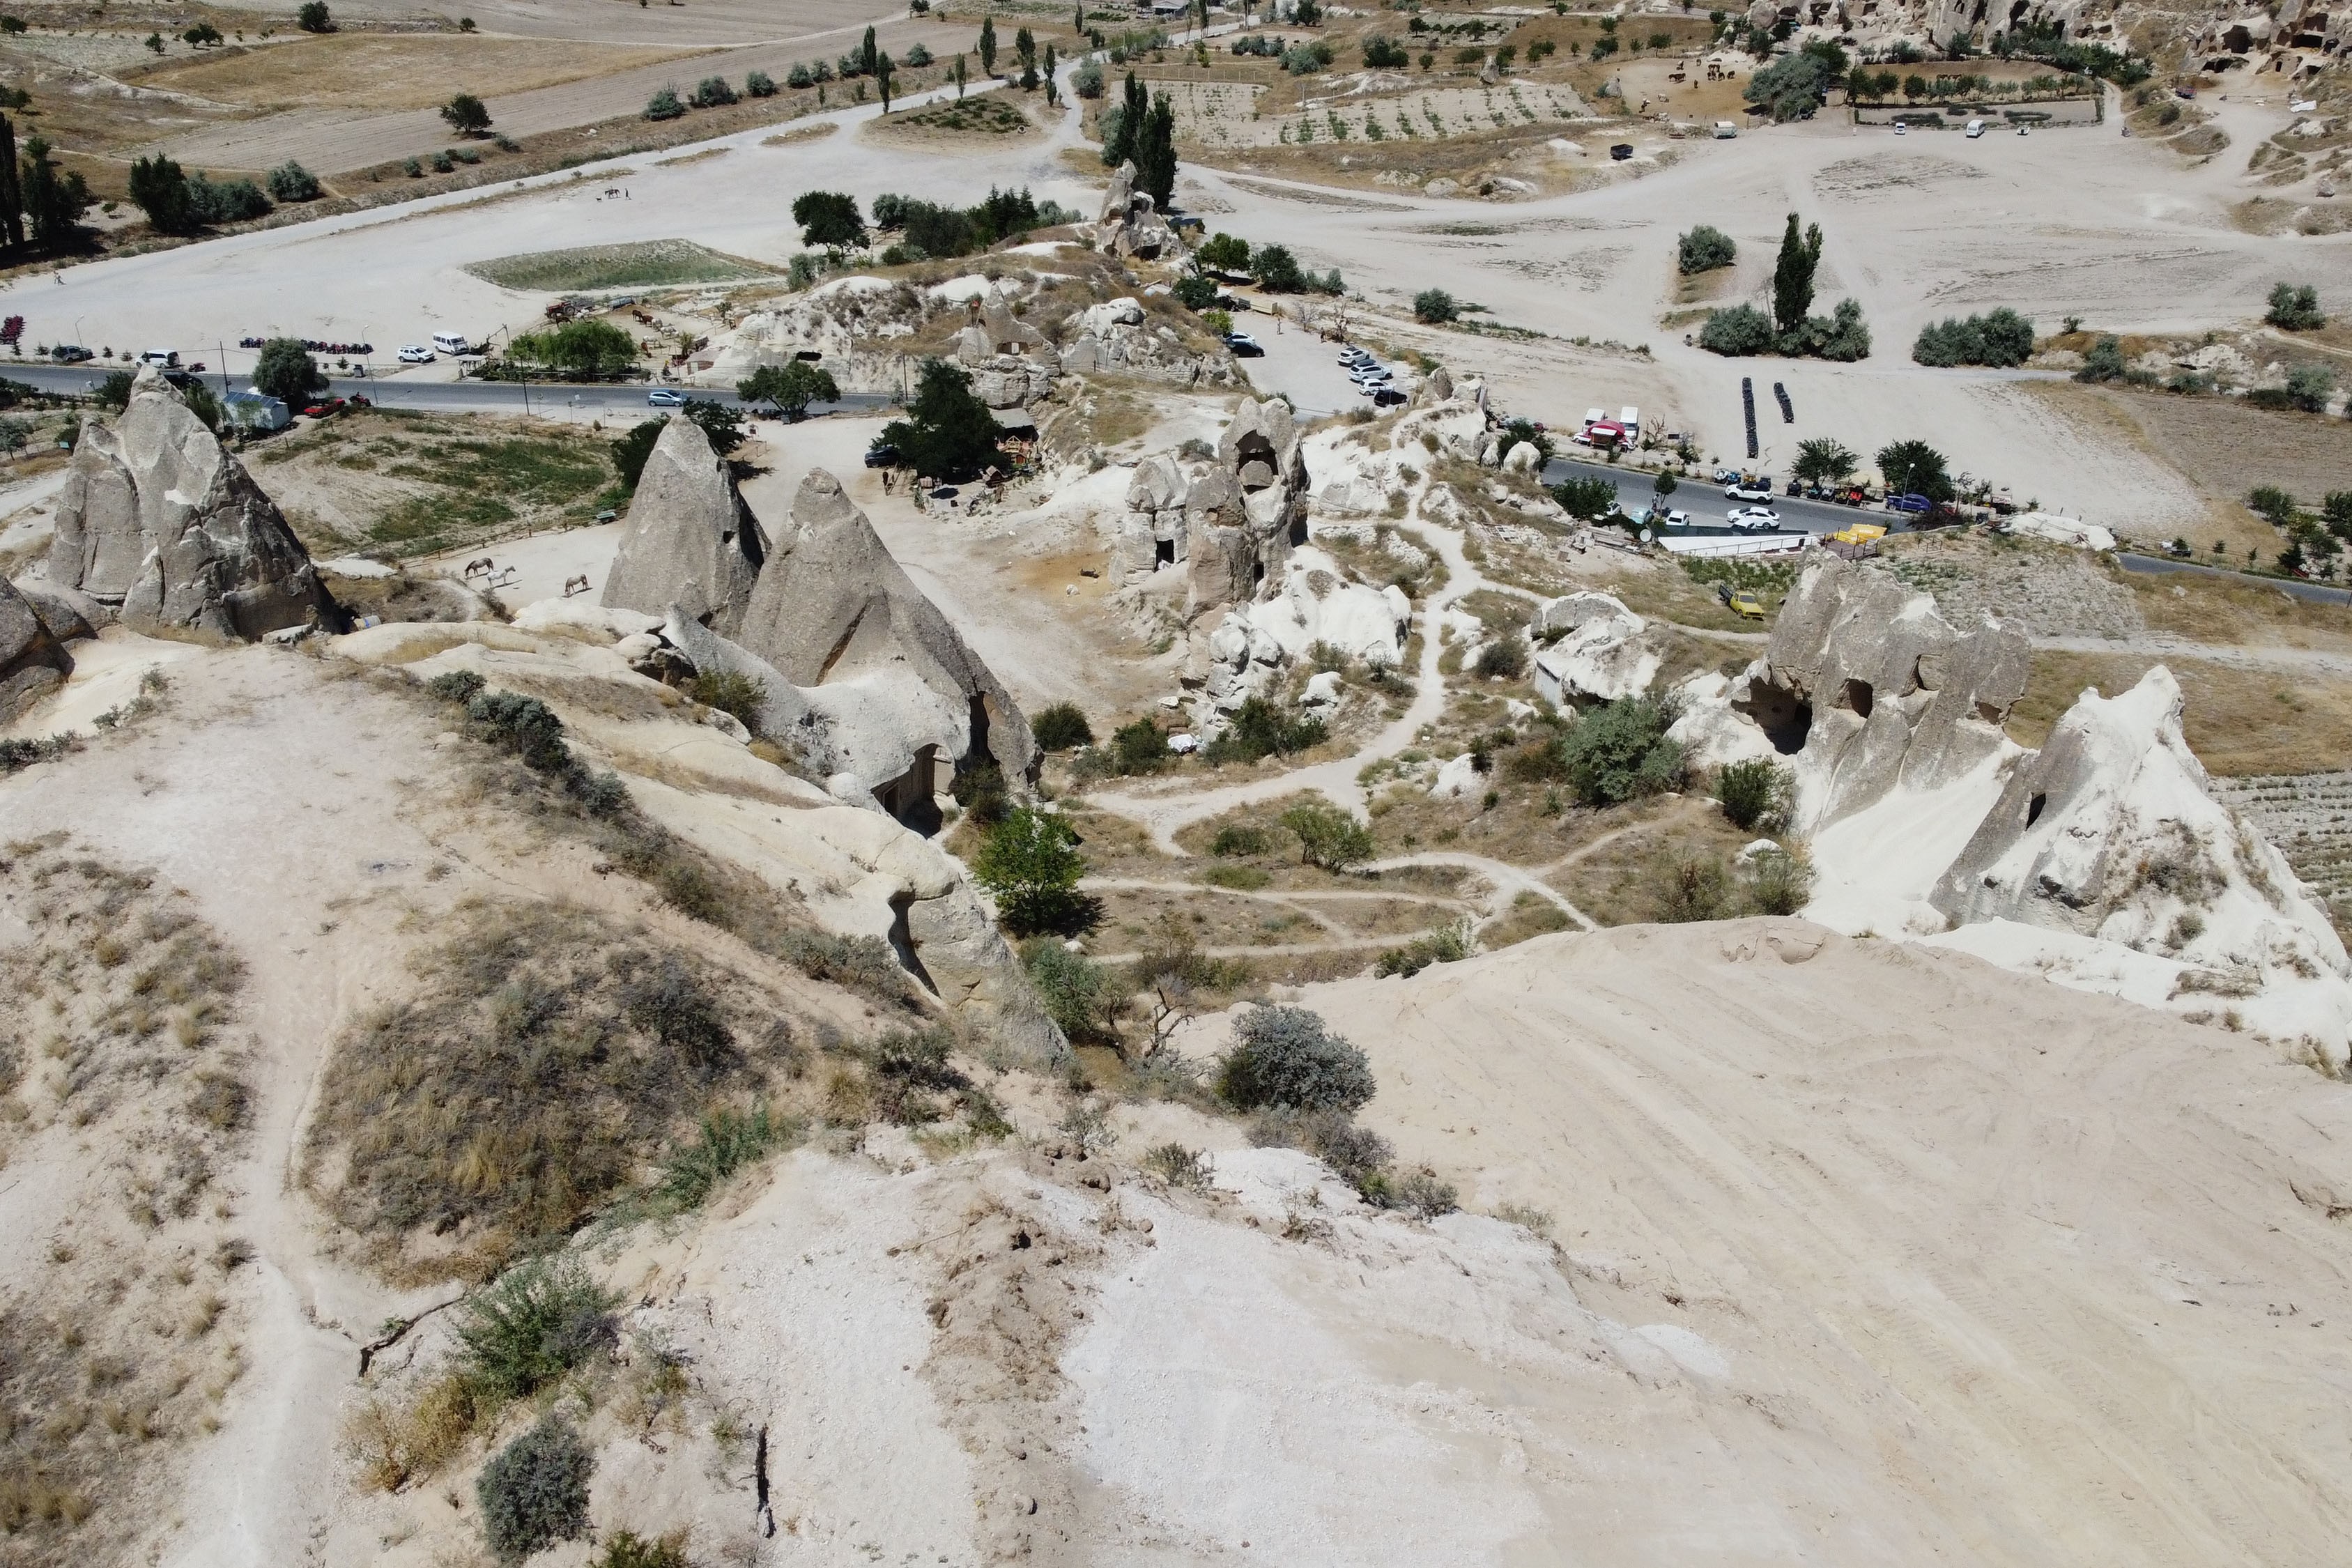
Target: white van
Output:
[(451, 342), (1725, 129), (1976, 129), (162, 359)]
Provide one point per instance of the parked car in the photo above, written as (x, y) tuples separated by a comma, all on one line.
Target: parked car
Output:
[(882, 456), (1622, 150), (452, 342), (1914, 504), (162, 359), (1747, 489), (1246, 346), (1386, 396), (70, 353), (1745, 604), (1754, 517), (663, 397), (324, 408), (415, 354)]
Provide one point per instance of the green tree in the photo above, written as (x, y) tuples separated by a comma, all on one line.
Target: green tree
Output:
[(1328, 836), (159, 189), (949, 433), (201, 36), (1792, 276), (1122, 135), (1432, 306), (829, 219), (1591, 498), (54, 198), (791, 387), (959, 76), (466, 115), (313, 18), (988, 45), (1223, 253), (1791, 87), (2336, 510), (1823, 460), (1704, 249), (886, 71), (578, 348), (2309, 386), (1030, 861), (1025, 49), (1621, 752), (1195, 291), (287, 372), (2294, 308), (1914, 467), (2103, 361), (290, 182), (722, 423), (869, 55), (1276, 271), (630, 452), (1155, 153)]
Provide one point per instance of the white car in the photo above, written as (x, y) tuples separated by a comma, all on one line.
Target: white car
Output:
[(415, 354), (663, 397), (1737, 492), (1754, 517)]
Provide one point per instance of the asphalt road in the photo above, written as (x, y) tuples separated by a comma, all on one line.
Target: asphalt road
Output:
[(2315, 593), (452, 396), (1706, 503)]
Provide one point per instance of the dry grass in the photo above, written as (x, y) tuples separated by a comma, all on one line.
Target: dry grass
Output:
[(1618, 882), (2228, 610), (383, 70), (2238, 720)]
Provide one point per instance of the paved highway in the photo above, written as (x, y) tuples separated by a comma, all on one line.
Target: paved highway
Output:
[(1707, 504), (625, 402)]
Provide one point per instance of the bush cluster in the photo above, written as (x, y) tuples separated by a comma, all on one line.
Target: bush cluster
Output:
[(1999, 337), (1286, 1059), (1620, 751), (1704, 249), (1259, 729), (534, 1491), (1328, 836)]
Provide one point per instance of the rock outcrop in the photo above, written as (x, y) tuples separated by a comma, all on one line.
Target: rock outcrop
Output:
[(1597, 650), (1118, 335), (1129, 224), (69, 613), (1869, 689), (158, 522), (688, 542), (833, 610), (33, 659), (1229, 523)]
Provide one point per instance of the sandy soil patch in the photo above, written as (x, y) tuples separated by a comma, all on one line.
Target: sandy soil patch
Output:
[(2229, 447), (374, 70)]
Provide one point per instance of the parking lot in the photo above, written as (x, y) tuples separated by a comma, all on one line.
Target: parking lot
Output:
[(1708, 507)]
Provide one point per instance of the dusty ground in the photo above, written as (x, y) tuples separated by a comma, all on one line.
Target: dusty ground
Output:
[(361, 71)]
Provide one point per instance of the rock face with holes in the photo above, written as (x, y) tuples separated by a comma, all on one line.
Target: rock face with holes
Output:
[(1871, 689), (158, 522), (900, 697), (1130, 225), (1228, 521), (689, 542), (33, 659)]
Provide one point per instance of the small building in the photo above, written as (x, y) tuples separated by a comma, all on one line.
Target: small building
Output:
[(250, 411)]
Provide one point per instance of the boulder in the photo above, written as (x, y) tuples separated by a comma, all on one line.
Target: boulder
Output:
[(33, 659), (1131, 224), (157, 521), (1600, 650), (69, 613), (1871, 689), (831, 607), (1456, 779), (690, 540)]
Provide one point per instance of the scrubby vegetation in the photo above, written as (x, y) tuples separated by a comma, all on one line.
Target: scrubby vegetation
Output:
[(1702, 249), (1620, 751), (1999, 337), (534, 1492), (1286, 1058)]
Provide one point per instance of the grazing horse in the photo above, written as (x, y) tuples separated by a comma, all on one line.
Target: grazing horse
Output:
[(480, 564), (575, 585)]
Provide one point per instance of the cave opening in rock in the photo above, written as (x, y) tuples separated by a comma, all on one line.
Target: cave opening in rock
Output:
[(2033, 809), (1856, 697), (1785, 717), (1163, 553)]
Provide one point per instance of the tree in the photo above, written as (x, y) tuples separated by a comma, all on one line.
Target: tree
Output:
[(159, 189), (1432, 306), (1792, 87), (578, 348), (665, 105), (1031, 862), (1122, 134), (1223, 253), (884, 70), (791, 387), (988, 45), (1025, 49), (1155, 153), (466, 115), (12, 199), (2103, 360), (54, 198), (1086, 82), (630, 452), (829, 219), (949, 433), (1620, 752), (1591, 498), (723, 424), (1914, 467), (2294, 308), (1664, 485), (1195, 291), (313, 18), (1704, 249), (1792, 276), (200, 36), (290, 182), (869, 57), (1328, 836), (959, 76), (2309, 386), (287, 372), (1383, 53), (1822, 461), (1276, 271)]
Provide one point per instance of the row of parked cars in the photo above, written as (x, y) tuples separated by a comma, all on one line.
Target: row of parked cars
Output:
[(1372, 378)]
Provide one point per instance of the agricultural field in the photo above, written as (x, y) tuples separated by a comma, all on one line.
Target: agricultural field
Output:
[(643, 264)]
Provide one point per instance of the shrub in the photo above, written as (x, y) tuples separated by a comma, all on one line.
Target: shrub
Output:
[(727, 1141), (1178, 1165), (2001, 337), (2309, 386), (1697, 888), (534, 1492), (290, 182), (1432, 306), (226, 201), (625, 1548), (1752, 792), (312, 16), (979, 790), (2103, 361), (1736, 330), (1079, 994), (1239, 838), (1620, 751), (1259, 729), (800, 75), (1704, 249), (1504, 655), (524, 725), (1195, 293), (918, 55), (1328, 836), (538, 1322), (731, 692), (1418, 1192), (1779, 882), (713, 92), (1286, 1058), (1383, 53), (1060, 728), (459, 686), (1449, 944), (1140, 747), (1086, 82), (1032, 864), (664, 105), (2294, 308), (673, 1005), (759, 84)]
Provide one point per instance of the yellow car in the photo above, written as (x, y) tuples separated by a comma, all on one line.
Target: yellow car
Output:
[(1745, 605)]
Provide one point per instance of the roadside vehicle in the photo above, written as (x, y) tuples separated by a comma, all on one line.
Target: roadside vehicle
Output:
[(451, 342), (882, 456), (1912, 504), (1725, 129), (1386, 396), (1245, 345), (415, 354), (1754, 517), (1660, 517), (663, 397), (70, 353), (1622, 150), (1860, 534), (325, 407), (162, 359), (1747, 488), (1976, 129), (1740, 601), (1901, 128)]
